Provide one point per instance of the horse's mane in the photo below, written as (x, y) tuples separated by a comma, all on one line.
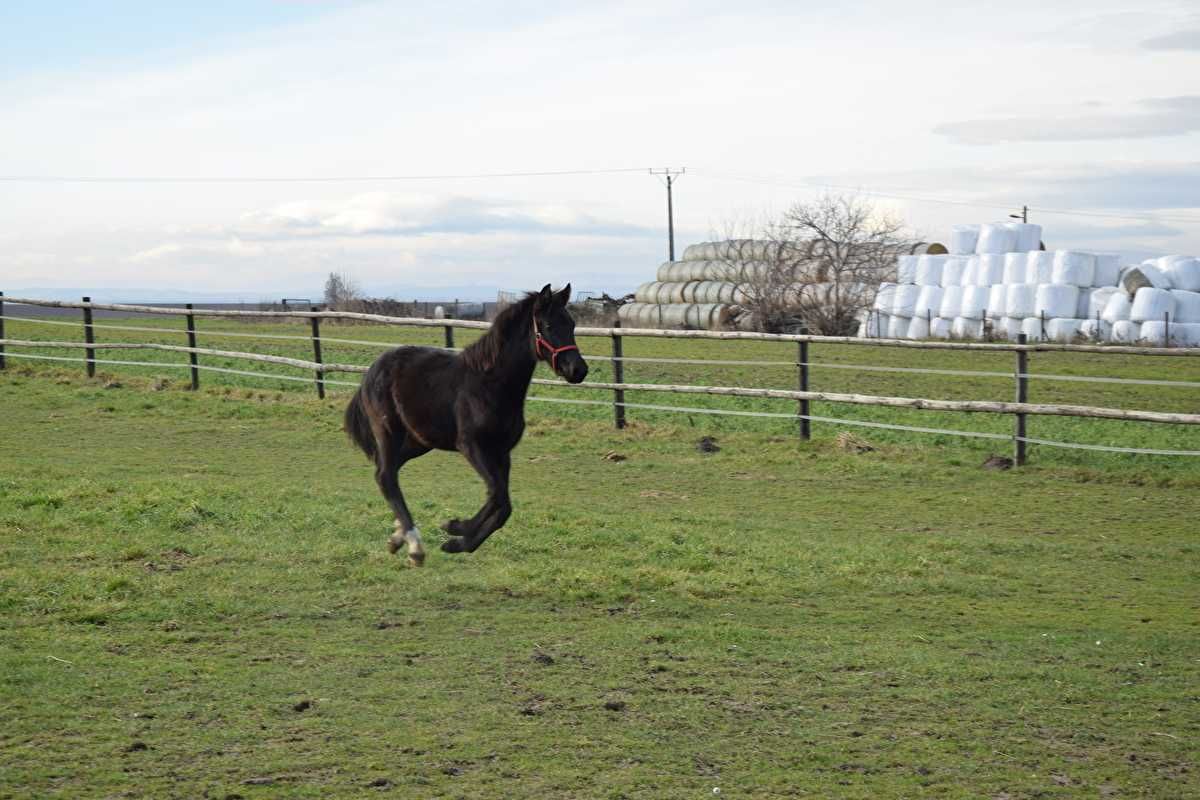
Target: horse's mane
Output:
[(483, 353)]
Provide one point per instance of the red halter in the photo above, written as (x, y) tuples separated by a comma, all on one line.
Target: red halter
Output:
[(539, 342)]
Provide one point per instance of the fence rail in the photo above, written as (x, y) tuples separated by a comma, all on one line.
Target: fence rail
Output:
[(804, 395)]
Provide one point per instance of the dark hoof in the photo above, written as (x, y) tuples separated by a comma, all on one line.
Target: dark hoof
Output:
[(416, 559), (454, 545), (395, 542)]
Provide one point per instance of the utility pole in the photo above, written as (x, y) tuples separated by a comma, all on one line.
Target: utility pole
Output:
[(1023, 216), (671, 176)]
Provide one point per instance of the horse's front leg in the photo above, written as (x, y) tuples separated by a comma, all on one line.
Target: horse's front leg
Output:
[(494, 468)]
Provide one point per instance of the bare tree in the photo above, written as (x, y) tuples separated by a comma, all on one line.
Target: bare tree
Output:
[(854, 248), (817, 267), (341, 292)]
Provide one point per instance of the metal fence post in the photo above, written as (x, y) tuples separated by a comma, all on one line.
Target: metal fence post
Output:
[(1166, 329), (192, 357), (449, 336), (805, 422), (88, 337), (2, 361), (618, 376), (316, 340), (1022, 397)]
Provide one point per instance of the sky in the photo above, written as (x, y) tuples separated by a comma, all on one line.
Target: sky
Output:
[(939, 113)]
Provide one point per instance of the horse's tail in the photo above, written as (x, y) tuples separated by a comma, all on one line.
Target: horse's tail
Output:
[(358, 428)]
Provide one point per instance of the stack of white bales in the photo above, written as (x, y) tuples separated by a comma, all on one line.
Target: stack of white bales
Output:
[(714, 284), (995, 278), (1155, 303)]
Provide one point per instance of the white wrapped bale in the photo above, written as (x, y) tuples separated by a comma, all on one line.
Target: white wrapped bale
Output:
[(1098, 300), (877, 325), (1125, 332), (1184, 274), (1009, 328), (929, 270), (918, 328), (952, 271), (1073, 268), (1028, 235), (885, 297), (963, 239), (1062, 330), (1055, 300), (897, 328), (1108, 269), (970, 272), (941, 328), (1083, 304), (1020, 299), (1155, 333), (990, 270), (952, 297), (997, 301), (1015, 267), (1095, 330), (1039, 267), (1032, 328), (906, 269), (1145, 276), (1187, 306), (905, 301), (964, 328), (1186, 334), (974, 302), (996, 239), (1152, 305), (929, 302), (1165, 263), (1117, 308)]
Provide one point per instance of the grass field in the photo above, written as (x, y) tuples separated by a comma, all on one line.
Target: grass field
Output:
[(196, 600)]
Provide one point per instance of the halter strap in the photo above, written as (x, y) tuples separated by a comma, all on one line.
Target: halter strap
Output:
[(540, 341)]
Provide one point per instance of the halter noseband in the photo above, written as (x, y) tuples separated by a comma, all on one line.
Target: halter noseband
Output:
[(540, 341)]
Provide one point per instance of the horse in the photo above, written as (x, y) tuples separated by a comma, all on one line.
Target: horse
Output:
[(416, 399)]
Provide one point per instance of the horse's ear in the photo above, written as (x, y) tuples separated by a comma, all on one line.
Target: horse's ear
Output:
[(563, 295), (543, 298)]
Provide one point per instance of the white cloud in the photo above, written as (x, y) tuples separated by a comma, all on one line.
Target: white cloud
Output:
[(1149, 118)]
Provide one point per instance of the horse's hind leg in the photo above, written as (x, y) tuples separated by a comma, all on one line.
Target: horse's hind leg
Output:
[(469, 534), (392, 453)]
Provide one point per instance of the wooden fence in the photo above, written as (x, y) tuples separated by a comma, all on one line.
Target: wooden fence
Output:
[(1020, 409)]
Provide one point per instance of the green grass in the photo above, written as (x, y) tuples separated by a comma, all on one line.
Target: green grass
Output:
[(181, 573)]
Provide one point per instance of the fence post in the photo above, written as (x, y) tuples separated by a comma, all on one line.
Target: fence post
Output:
[(88, 337), (1022, 397), (316, 339), (2, 361), (449, 337), (805, 422), (1166, 329), (618, 377), (192, 357)]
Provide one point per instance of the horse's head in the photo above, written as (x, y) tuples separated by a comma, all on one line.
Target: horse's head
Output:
[(554, 334)]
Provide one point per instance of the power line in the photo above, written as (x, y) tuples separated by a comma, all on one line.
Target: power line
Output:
[(309, 179), (794, 184)]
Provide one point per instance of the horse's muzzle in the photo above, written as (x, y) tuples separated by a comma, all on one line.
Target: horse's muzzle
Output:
[(574, 370)]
